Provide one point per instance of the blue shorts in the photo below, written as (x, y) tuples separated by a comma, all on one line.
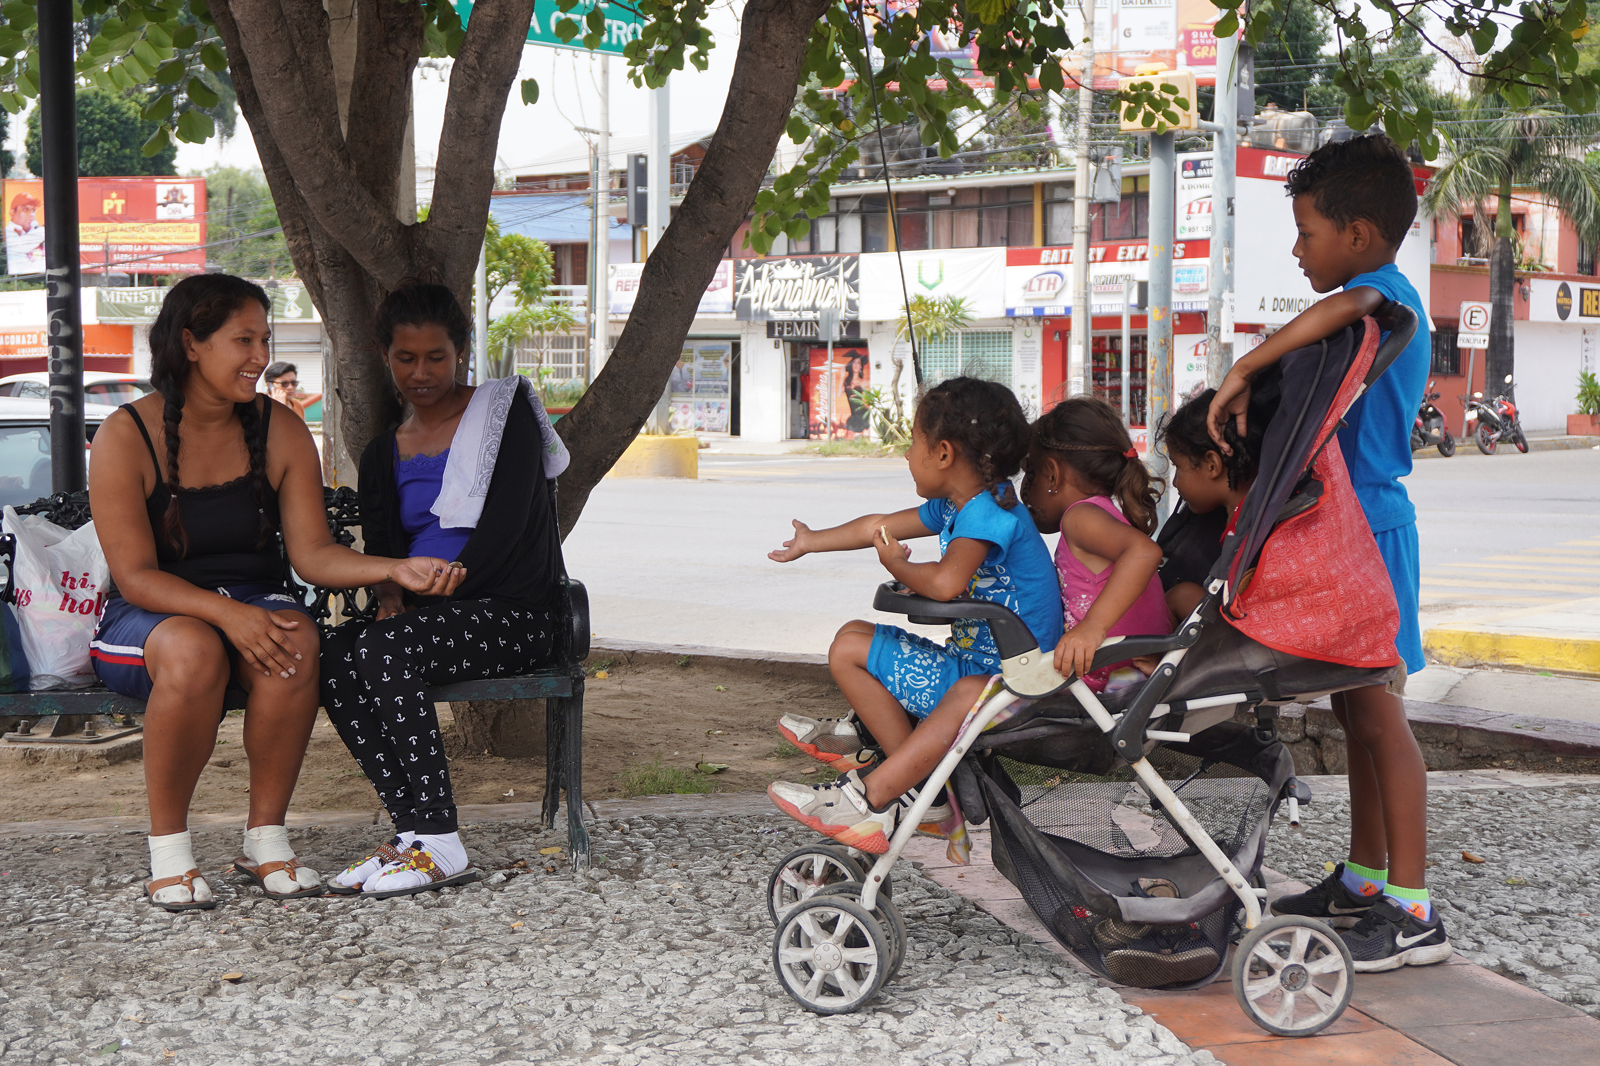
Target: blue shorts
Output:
[(1398, 547), (117, 650), (918, 672)]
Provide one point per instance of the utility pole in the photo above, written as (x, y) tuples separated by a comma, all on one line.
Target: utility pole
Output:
[(600, 311), (1078, 363), (1127, 355), (1158, 358), (660, 166), (1224, 167), (58, 115)]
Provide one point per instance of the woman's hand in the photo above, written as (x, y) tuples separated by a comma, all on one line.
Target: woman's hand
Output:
[(426, 576), (390, 601), (261, 638), (796, 546), (1075, 653)]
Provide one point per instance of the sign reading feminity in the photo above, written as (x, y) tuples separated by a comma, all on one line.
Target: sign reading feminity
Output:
[(796, 288)]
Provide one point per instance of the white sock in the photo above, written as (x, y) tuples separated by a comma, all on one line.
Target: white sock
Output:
[(173, 856), (270, 843), (447, 851), (362, 872)]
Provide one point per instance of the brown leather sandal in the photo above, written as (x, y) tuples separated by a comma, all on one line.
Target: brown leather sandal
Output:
[(259, 875), (187, 881), (386, 851)]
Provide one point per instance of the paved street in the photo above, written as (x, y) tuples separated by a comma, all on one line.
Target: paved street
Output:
[(684, 562)]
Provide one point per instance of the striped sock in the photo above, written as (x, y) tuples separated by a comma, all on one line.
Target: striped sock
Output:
[(1363, 880), (1414, 900)]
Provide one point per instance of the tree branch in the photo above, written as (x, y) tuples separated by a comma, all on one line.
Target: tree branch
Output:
[(480, 81), (293, 75), (766, 73), (388, 43)]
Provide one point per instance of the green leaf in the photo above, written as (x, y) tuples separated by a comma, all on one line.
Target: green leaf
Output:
[(530, 91), (171, 72), (159, 109), (1227, 25), (202, 95), (797, 129), (196, 127), (158, 141), (566, 29), (185, 36), (147, 54), (214, 58)]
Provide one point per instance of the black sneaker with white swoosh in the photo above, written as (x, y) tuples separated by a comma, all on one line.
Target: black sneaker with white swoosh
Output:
[(1390, 937), (1330, 901)]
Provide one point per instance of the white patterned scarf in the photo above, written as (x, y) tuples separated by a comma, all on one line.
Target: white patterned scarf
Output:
[(476, 446)]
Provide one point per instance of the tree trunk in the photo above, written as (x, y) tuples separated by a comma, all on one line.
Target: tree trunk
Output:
[(510, 729), (772, 44), (1500, 360)]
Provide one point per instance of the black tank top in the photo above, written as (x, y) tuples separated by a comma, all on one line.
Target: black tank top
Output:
[(223, 526)]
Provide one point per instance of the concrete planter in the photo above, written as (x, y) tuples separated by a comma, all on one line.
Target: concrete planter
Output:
[(1583, 425)]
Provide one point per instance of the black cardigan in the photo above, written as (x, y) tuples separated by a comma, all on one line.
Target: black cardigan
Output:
[(515, 551)]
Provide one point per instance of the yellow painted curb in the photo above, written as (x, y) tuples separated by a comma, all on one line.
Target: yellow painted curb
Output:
[(659, 457), (1455, 646)]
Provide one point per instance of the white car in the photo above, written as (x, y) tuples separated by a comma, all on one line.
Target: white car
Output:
[(25, 446), (99, 387)]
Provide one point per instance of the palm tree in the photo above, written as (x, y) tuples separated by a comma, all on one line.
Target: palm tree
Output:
[(932, 319), (1496, 148)]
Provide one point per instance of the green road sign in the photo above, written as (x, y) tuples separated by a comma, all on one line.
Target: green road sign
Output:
[(550, 24)]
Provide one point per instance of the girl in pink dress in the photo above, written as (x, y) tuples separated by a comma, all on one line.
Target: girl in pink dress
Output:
[(1085, 479)]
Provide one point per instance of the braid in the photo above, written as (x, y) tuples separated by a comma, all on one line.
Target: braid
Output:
[(256, 441), (171, 417)]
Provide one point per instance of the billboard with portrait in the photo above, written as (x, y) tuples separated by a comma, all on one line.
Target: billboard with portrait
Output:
[(154, 225)]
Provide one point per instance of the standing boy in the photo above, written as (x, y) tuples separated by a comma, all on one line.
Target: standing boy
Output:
[(1354, 202)]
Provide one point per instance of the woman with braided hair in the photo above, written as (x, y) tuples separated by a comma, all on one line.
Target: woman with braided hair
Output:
[(1086, 480), (188, 487)]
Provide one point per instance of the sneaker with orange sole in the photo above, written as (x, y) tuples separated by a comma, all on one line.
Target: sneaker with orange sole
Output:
[(834, 741), (839, 809)]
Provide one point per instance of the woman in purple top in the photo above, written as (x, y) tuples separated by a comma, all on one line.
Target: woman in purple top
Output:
[(499, 620)]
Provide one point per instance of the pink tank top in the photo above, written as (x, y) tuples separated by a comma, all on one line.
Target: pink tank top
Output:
[(1080, 587)]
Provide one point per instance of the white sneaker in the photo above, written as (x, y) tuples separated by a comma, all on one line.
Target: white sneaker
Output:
[(839, 809), (834, 741)]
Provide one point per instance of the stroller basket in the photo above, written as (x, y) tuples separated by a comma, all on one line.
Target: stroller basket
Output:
[(1116, 880)]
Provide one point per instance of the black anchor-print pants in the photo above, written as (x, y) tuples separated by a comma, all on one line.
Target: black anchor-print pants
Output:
[(374, 687)]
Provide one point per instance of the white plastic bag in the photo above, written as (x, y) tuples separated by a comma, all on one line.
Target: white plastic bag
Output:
[(61, 578)]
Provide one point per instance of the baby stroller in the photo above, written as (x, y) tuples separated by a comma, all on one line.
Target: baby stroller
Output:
[(1134, 823)]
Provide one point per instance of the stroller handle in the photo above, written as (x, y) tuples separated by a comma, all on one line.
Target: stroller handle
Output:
[(1400, 323), (1028, 670)]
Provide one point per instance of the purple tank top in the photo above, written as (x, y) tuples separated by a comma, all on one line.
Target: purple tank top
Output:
[(417, 481)]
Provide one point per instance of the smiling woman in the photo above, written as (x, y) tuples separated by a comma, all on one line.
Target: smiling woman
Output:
[(189, 486)]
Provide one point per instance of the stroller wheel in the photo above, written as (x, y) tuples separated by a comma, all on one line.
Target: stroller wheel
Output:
[(800, 873), (887, 915), (1292, 975), (831, 955)]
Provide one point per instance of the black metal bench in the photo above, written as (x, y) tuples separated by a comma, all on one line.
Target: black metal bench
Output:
[(80, 715)]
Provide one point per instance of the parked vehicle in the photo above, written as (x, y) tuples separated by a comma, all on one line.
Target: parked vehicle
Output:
[(25, 446), (1429, 427), (1497, 420), (99, 386)]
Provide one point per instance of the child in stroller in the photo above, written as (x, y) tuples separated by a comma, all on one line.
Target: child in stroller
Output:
[(1081, 790)]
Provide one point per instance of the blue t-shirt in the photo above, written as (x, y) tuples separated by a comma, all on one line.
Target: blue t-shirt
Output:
[(1017, 572), (417, 481), (1376, 439)]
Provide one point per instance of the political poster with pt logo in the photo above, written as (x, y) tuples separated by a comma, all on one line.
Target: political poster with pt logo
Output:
[(153, 225)]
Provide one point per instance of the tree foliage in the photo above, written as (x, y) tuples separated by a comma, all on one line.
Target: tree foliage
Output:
[(526, 263), (245, 234), (111, 137)]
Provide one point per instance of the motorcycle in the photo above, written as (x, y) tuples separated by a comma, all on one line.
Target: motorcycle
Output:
[(1429, 427), (1497, 421)]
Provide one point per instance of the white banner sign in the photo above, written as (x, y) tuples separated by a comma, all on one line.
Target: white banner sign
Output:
[(1193, 220), (977, 275), (718, 298)]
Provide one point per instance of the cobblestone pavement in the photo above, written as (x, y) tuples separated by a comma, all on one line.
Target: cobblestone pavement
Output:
[(662, 956), (1530, 910)]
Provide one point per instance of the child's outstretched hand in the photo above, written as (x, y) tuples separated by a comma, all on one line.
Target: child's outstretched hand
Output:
[(794, 547), (1075, 653), (1231, 401)]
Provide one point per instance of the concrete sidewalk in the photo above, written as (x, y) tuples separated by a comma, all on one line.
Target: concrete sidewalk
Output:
[(1561, 638)]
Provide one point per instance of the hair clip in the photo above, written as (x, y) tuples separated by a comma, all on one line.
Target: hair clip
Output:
[(1131, 453), (974, 421)]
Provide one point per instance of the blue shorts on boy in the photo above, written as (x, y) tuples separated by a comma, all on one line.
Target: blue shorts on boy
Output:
[(117, 650), (1376, 442), (1017, 572)]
